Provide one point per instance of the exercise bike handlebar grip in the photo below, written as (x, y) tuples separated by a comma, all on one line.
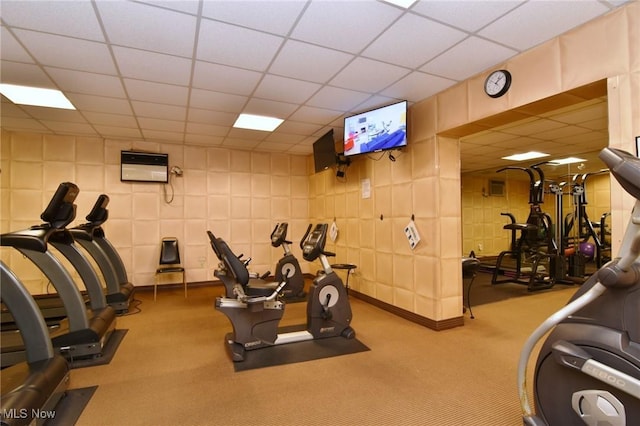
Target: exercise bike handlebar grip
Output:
[(511, 216), (304, 238)]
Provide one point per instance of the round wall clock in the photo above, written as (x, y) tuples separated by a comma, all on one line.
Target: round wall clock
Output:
[(498, 83)]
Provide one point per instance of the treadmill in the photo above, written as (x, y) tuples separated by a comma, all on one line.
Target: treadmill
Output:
[(91, 237), (37, 384), (84, 332)]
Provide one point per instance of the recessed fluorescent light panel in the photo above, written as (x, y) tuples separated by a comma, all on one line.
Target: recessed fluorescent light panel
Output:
[(35, 96), (568, 160), (402, 3), (526, 156), (257, 122)]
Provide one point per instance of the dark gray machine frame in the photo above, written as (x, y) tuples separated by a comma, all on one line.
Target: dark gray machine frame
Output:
[(82, 334), (91, 237), (255, 319), (38, 383), (588, 369)]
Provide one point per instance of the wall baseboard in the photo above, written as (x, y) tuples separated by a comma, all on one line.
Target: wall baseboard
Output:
[(409, 316), (402, 313)]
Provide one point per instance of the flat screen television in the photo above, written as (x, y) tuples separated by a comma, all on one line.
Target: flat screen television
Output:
[(380, 129), (324, 152), (144, 167)]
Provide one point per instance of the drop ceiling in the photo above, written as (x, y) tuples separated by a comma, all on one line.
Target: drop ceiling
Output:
[(182, 71)]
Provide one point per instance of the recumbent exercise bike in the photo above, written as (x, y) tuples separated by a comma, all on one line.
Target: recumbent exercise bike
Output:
[(255, 318)]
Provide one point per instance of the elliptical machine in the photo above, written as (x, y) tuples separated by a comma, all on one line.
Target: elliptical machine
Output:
[(288, 267), (255, 319), (588, 370)]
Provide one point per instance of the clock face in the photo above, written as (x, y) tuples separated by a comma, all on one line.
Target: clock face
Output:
[(497, 83)]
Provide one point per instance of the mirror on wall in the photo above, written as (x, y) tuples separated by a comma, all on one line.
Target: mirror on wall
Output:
[(496, 191)]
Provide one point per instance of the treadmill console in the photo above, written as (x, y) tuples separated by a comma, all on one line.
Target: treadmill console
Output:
[(61, 210), (99, 213)]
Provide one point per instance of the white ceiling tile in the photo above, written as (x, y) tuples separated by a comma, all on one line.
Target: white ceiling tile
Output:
[(206, 116), (562, 132), (118, 132), (163, 135), (274, 16), (417, 86), (253, 135), (285, 89), (22, 124), (313, 78), (70, 18), (344, 25), (315, 115), (581, 115), (207, 99), (308, 62), (236, 143), (413, 41), (298, 128), (69, 128), (466, 15), (301, 149), (9, 109), (207, 129), (87, 83), (273, 146), (163, 30), (538, 21), (224, 79), (66, 52), (534, 127), (187, 6), (25, 74), (269, 108), (284, 138), (54, 114), (597, 124), (101, 118), (156, 92), (142, 65), (154, 110), (11, 49), (337, 98), (160, 125), (468, 58), (232, 45), (358, 75), (205, 140), (99, 103), (372, 103)]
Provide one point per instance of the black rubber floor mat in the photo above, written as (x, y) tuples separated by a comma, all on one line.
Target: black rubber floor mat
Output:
[(70, 406), (299, 352)]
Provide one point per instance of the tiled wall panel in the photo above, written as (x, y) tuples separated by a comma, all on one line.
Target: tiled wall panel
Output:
[(235, 194)]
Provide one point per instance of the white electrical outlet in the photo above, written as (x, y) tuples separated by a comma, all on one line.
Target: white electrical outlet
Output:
[(480, 247)]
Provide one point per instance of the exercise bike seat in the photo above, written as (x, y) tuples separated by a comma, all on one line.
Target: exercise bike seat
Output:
[(235, 269)]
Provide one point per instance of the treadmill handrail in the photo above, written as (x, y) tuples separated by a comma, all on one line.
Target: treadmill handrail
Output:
[(27, 316)]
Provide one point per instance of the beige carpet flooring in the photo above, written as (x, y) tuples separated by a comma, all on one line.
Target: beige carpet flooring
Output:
[(172, 368)]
